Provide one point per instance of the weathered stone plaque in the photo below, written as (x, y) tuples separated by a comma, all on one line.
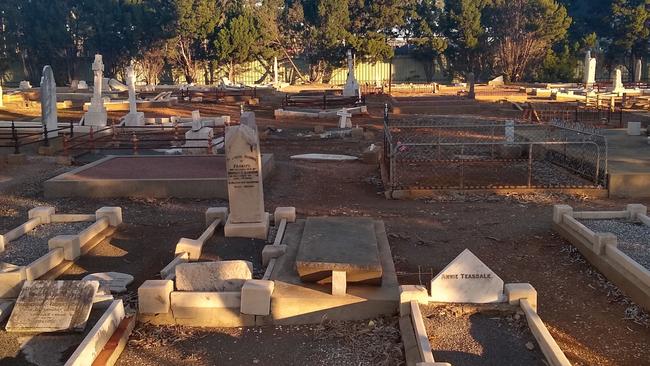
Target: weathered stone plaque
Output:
[(467, 279), (244, 169), (220, 276), (346, 244), (53, 306), (115, 281)]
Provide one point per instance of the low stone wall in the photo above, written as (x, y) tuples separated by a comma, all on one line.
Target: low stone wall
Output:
[(61, 248), (521, 294), (600, 249)]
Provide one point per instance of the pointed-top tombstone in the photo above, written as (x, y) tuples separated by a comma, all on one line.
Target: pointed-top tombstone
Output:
[(244, 171), (618, 82), (467, 280), (638, 70), (196, 120), (48, 102)]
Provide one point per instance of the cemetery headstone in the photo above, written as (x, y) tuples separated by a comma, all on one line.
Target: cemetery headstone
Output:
[(53, 306), (1, 101), (24, 84), (467, 280), (638, 70), (351, 84), (198, 138), (589, 70), (48, 102), (96, 115), (82, 85), (344, 118), (244, 174), (510, 132), (618, 82), (133, 118)]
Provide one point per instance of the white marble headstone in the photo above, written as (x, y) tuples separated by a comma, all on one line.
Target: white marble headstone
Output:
[(1, 101), (196, 120), (351, 84), (467, 280)]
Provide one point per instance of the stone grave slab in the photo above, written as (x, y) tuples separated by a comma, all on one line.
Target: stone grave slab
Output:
[(53, 306), (467, 280), (339, 244), (115, 281), (220, 276)]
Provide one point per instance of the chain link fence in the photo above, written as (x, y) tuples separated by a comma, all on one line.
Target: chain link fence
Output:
[(425, 153)]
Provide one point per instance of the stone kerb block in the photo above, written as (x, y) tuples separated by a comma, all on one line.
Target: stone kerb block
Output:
[(42, 212), (408, 293), (339, 283), (634, 128), (2, 243), (635, 210), (559, 211), (517, 291), (256, 297), (154, 296), (287, 213), (11, 281), (114, 215), (272, 251), (70, 243), (214, 213), (190, 246), (602, 241)]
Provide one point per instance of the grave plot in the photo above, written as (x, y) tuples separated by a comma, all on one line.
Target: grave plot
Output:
[(422, 155), (48, 243), (471, 318), (63, 323), (615, 242)]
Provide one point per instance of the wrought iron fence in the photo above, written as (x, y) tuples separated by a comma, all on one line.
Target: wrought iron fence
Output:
[(597, 115), (434, 154)]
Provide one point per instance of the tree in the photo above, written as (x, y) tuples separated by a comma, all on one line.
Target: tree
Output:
[(195, 22), (425, 32), (629, 34), (467, 49), (533, 27), (235, 42)]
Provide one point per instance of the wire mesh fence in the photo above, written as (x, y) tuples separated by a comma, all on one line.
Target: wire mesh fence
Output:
[(426, 153)]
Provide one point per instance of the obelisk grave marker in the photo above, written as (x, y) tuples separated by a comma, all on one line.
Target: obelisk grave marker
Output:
[(247, 217), (467, 280)]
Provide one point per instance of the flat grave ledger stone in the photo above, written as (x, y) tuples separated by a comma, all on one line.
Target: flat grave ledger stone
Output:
[(346, 244), (220, 276), (53, 306), (467, 280)]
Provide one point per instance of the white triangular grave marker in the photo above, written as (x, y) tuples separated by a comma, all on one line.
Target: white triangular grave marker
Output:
[(467, 279)]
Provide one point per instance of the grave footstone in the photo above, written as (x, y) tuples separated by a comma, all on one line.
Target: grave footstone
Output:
[(220, 276), (53, 306), (244, 173), (467, 280), (48, 102), (339, 244), (115, 281)]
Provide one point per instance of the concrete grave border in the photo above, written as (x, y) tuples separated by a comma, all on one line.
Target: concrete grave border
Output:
[(63, 249), (416, 341), (600, 249)]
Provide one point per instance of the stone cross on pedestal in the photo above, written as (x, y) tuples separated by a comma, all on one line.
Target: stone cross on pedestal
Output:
[(247, 217), (344, 121), (589, 71), (351, 84), (48, 102), (134, 118), (96, 115)]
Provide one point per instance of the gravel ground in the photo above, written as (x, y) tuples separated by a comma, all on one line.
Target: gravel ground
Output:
[(633, 237), (375, 342), (33, 245), (477, 338)]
